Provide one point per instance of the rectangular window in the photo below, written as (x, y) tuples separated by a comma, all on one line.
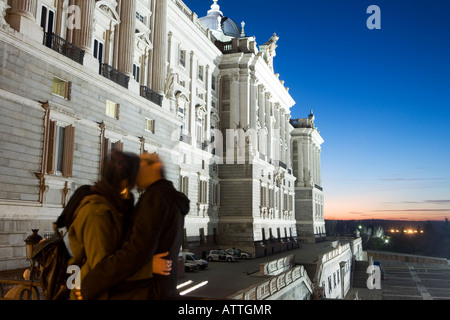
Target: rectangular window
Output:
[(263, 197), (182, 60), (199, 128), (112, 109), (59, 154), (118, 145), (203, 192), (213, 83), (47, 19), (271, 198), (60, 149), (105, 150), (137, 72), (200, 72), (62, 88), (139, 17), (98, 50), (149, 125)]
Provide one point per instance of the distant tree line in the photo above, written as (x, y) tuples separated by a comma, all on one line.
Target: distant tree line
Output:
[(434, 241)]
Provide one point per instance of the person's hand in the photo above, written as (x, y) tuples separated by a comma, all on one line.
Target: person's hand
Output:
[(162, 266)]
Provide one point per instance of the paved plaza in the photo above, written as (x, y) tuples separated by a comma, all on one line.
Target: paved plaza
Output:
[(404, 281), (412, 281)]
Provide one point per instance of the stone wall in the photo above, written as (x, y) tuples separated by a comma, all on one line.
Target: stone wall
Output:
[(27, 71)]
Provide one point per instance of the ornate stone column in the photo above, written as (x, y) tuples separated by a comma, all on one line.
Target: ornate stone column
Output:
[(234, 102), (253, 102), (160, 47), (83, 37), (24, 8), (269, 125), (22, 18), (127, 36)]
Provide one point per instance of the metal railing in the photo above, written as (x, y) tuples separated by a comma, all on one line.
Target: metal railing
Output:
[(284, 281), (67, 49), (151, 95), (27, 290), (114, 75)]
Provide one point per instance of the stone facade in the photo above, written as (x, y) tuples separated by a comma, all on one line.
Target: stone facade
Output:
[(79, 78)]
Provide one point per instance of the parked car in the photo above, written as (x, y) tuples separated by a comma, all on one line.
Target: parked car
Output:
[(220, 255), (191, 267), (189, 257), (239, 253)]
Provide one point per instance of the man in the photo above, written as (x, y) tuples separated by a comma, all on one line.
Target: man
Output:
[(157, 226)]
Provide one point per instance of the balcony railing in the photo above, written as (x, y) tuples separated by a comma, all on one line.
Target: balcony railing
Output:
[(114, 75), (26, 289), (151, 95), (64, 47), (282, 164)]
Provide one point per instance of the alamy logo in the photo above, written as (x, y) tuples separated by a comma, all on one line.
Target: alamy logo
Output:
[(235, 146), (73, 17), (74, 280), (374, 279), (374, 21)]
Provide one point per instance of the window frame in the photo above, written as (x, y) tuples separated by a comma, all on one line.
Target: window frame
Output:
[(109, 108), (60, 152)]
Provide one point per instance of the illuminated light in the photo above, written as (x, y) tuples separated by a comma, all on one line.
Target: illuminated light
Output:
[(421, 231), (204, 283), (182, 285), (392, 230), (415, 231)]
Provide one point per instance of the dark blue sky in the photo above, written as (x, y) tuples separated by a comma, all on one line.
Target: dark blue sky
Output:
[(381, 97)]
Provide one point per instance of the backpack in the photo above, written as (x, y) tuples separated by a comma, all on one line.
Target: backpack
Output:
[(51, 256)]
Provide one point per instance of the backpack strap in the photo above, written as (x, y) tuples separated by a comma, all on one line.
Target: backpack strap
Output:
[(66, 218)]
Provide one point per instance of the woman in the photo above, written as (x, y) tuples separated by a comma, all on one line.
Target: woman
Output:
[(100, 220)]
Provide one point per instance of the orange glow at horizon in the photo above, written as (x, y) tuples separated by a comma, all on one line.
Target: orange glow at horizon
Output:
[(354, 211), (381, 206)]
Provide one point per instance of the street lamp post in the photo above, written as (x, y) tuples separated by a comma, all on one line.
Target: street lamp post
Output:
[(31, 241)]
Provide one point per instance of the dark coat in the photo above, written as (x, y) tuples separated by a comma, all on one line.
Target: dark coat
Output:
[(157, 226)]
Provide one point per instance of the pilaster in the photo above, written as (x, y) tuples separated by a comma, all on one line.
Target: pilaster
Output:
[(126, 36), (83, 37), (160, 47)]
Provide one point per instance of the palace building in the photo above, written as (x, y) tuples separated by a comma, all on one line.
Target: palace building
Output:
[(79, 78)]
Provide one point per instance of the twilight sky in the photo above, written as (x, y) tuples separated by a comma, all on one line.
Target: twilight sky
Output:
[(381, 97)]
